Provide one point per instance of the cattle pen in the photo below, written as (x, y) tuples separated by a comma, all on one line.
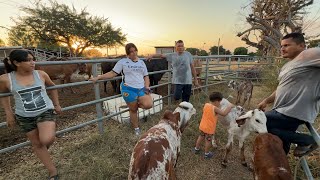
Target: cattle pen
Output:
[(217, 70)]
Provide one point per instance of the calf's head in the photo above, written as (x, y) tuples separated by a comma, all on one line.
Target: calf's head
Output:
[(255, 120), (186, 110), (232, 84)]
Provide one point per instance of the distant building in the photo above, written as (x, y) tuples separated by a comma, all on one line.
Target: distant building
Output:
[(164, 49)]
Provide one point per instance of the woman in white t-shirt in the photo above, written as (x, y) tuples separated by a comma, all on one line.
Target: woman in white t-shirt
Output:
[(135, 89)]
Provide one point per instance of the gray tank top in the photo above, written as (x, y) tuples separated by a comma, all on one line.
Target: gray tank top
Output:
[(30, 101)]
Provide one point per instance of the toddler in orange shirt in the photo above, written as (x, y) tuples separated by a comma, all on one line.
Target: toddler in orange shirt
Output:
[(208, 122)]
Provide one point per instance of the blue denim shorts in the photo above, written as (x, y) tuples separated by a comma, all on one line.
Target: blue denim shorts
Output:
[(131, 94)]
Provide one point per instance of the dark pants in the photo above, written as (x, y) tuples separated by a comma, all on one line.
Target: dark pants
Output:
[(182, 90), (285, 128)]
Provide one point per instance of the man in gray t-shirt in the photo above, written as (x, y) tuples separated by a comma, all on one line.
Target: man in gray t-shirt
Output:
[(183, 70), (297, 97)]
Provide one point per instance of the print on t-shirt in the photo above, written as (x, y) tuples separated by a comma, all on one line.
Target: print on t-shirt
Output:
[(32, 99)]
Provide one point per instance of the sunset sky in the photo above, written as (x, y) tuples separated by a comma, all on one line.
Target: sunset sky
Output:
[(149, 23)]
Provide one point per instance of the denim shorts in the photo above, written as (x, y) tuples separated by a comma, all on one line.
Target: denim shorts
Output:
[(28, 124), (131, 94)]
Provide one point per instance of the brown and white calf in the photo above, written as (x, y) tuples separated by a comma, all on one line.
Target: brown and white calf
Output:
[(270, 161), (156, 153), (240, 127), (243, 88)]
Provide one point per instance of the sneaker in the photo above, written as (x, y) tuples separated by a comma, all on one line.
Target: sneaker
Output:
[(208, 155), (304, 150), (137, 132), (195, 151)]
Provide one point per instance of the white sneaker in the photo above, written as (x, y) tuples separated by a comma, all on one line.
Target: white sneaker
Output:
[(137, 132)]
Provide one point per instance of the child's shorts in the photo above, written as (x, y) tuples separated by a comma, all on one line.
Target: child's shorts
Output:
[(131, 94), (28, 124), (207, 136)]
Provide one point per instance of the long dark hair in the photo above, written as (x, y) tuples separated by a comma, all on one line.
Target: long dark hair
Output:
[(18, 55)]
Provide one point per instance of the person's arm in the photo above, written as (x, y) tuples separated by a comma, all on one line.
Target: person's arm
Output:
[(53, 92), (5, 101), (194, 73), (107, 75), (223, 112), (311, 57), (113, 73), (263, 104)]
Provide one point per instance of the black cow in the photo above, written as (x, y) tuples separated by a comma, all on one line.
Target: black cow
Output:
[(156, 65), (106, 67)]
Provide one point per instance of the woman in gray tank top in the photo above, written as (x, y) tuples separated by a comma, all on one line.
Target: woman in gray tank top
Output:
[(34, 110)]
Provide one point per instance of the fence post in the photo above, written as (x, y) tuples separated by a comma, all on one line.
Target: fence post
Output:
[(238, 67), (229, 68), (207, 70), (169, 84), (306, 169), (97, 96)]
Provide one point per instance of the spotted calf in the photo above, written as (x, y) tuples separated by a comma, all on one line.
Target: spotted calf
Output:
[(156, 153)]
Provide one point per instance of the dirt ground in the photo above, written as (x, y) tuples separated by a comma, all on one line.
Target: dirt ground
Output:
[(85, 154)]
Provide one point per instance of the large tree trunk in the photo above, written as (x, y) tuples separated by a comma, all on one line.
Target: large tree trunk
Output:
[(269, 20)]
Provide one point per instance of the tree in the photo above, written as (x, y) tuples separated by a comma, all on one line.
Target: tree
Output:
[(214, 50), (2, 43), (92, 53), (240, 51), (269, 20), (22, 36), (314, 43), (203, 53), (60, 24), (193, 51), (252, 54)]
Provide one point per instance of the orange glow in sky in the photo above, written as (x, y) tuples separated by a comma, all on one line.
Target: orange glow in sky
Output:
[(149, 23)]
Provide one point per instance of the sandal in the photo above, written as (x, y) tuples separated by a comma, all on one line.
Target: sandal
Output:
[(305, 150), (55, 177)]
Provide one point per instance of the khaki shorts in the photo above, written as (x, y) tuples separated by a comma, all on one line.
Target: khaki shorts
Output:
[(28, 124)]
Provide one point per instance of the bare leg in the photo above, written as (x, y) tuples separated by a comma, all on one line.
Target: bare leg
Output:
[(145, 102), (41, 149), (199, 140), (133, 108), (207, 145)]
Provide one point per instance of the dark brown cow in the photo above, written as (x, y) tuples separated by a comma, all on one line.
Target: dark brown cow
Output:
[(270, 160), (156, 153)]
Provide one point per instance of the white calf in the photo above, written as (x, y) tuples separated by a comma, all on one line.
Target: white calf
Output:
[(252, 121)]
